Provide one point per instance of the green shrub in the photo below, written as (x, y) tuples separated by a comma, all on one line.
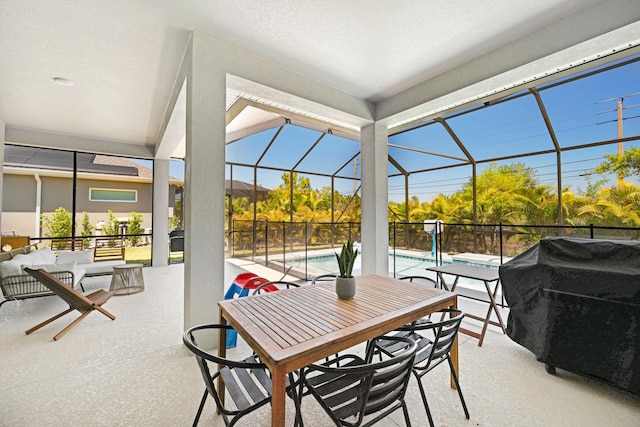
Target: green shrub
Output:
[(57, 225), (111, 225), (87, 230), (135, 227), (174, 222)]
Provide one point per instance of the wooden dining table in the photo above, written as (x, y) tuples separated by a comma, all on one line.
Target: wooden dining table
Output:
[(293, 328)]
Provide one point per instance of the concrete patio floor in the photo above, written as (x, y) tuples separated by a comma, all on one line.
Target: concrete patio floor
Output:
[(135, 371)]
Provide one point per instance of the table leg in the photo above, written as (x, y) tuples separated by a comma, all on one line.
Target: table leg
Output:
[(444, 284), (454, 352), (278, 396), (453, 289), (495, 307), (492, 307), (222, 352)]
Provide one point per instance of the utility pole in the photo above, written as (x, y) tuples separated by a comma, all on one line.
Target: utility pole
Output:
[(355, 175), (619, 119)]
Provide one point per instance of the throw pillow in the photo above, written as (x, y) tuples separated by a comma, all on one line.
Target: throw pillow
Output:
[(10, 268), (81, 257), (24, 259), (48, 256)]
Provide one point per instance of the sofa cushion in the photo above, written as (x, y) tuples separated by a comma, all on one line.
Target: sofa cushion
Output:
[(10, 268), (81, 257), (101, 267), (26, 259), (78, 272), (48, 256), (52, 268)]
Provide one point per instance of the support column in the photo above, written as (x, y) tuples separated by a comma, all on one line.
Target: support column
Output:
[(2, 129), (160, 226), (204, 186), (375, 195)]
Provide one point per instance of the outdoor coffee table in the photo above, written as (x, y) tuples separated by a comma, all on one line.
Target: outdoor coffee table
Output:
[(127, 279)]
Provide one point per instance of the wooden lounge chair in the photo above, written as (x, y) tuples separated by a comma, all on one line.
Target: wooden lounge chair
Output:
[(85, 304)]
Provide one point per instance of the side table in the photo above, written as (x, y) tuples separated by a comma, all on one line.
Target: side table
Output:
[(127, 279)]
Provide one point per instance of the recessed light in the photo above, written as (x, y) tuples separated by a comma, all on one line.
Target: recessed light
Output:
[(63, 82)]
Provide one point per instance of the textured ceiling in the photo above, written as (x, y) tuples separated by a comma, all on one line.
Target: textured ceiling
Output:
[(123, 55)]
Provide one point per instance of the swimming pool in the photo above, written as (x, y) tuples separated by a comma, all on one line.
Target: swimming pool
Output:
[(403, 264), (322, 264)]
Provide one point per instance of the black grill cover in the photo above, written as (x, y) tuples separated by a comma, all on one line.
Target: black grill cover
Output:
[(575, 304)]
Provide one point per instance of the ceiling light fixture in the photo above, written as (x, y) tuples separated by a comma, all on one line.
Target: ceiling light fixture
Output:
[(62, 81)]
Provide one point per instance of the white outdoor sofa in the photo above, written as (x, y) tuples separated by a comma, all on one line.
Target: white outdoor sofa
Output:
[(69, 266)]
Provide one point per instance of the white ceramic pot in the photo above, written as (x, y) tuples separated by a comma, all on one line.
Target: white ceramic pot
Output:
[(345, 287)]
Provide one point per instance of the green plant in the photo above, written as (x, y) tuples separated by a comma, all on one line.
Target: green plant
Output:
[(346, 259), (135, 227), (112, 225), (174, 222), (58, 225), (87, 230)]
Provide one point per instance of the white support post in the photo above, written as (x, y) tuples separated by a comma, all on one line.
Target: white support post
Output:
[(375, 223), (204, 186), (160, 220)]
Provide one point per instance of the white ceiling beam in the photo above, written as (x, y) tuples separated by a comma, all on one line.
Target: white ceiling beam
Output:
[(38, 138)]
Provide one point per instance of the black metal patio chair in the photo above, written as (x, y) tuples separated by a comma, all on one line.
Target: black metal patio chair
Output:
[(358, 388), (247, 382), (420, 279), (329, 277), (274, 285), (432, 350), (423, 281)]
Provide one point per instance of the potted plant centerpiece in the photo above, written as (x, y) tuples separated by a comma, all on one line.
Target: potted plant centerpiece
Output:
[(345, 282)]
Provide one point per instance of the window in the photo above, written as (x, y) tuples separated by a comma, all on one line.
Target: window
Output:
[(111, 195)]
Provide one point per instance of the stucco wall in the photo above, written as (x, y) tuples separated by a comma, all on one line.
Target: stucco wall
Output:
[(19, 194), (143, 203), (19, 201)]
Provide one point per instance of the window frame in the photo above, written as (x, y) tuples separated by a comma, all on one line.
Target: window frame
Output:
[(122, 190)]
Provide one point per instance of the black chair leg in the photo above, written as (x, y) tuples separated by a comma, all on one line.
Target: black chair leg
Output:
[(204, 399), (297, 402), (407, 421), (424, 400), (455, 378)]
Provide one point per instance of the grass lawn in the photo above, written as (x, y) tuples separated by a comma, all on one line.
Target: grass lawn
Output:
[(142, 255)]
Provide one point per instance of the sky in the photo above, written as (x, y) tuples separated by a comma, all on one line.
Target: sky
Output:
[(581, 112)]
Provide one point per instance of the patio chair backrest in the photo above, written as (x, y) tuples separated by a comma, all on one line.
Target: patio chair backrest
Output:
[(329, 277), (420, 279), (248, 382), (356, 387), (274, 285)]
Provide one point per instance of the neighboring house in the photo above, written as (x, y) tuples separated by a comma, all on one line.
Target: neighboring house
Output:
[(38, 181)]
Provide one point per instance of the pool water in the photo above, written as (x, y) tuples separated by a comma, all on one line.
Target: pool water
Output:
[(400, 265)]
